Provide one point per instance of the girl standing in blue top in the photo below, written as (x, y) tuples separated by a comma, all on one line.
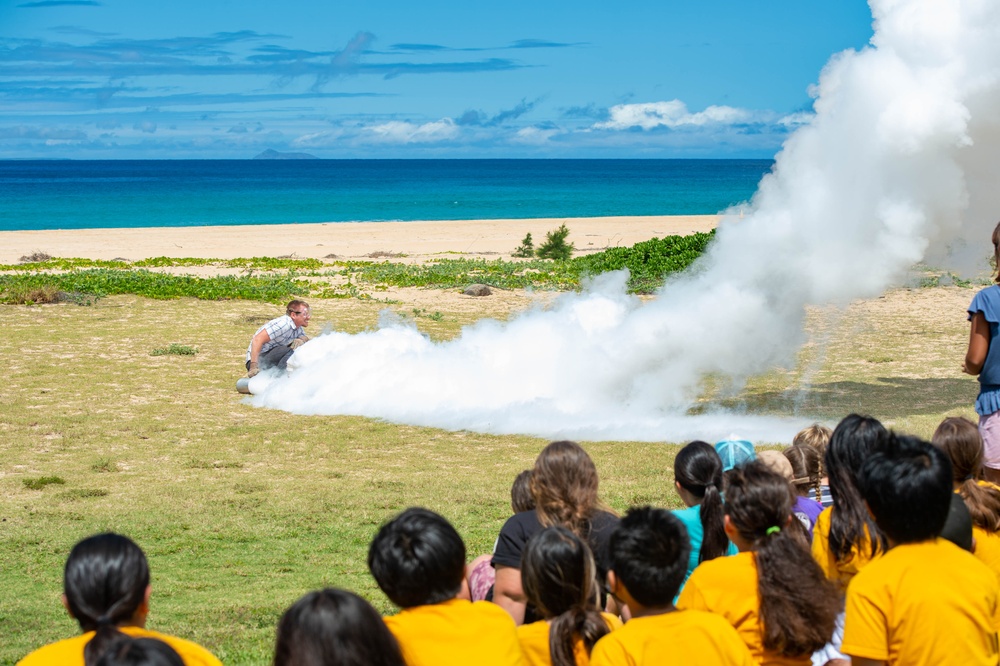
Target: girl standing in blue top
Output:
[(983, 359)]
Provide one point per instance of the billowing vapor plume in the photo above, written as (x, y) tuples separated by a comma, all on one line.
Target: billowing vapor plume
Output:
[(900, 164)]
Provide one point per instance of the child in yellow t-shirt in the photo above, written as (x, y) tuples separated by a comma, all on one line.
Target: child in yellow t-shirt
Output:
[(751, 590), (959, 438), (560, 582), (926, 601), (649, 554), (845, 537), (418, 560), (106, 589)]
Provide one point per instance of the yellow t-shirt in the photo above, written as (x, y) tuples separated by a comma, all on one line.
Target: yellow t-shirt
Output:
[(456, 633), (839, 571), (69, 652), (924, 604), (534, 639), (680, 638), (727, 586), (987, 548)]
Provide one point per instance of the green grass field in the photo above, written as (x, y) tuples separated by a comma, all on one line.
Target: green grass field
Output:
[(242, 510)]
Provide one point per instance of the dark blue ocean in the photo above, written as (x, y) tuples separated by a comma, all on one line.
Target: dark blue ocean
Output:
[(171, 193)]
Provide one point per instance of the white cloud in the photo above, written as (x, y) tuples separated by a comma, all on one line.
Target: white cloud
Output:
[(793, 120), (674, 113), (396, 131), (534, 135)]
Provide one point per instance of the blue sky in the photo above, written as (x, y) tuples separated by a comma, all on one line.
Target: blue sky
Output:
[(119, 79)]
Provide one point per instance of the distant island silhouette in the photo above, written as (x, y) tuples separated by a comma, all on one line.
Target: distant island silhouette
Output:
[(275, 155)]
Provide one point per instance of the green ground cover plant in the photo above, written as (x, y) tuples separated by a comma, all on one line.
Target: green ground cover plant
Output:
[(175, 349), (279, 279)]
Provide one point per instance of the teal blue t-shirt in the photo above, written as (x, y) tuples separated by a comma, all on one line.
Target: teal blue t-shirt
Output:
[(691, 517)]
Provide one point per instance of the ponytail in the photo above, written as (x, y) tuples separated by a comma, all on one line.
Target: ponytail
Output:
[(698, 468), (583, 623), (983, 503), (105, 583), (560, 580), (798, 605)]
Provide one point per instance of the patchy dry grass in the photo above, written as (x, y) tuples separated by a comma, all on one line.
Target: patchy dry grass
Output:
[(242, 510)]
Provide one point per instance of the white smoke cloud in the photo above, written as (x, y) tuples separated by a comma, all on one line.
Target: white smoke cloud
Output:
[(898, 164)]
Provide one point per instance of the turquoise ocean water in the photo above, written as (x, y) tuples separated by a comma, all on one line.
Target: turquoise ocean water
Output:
[(168, 193)]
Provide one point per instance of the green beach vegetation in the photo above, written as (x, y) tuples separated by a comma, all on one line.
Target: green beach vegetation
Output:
[(275, 280)]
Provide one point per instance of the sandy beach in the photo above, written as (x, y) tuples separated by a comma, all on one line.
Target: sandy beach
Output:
[(418, 241)]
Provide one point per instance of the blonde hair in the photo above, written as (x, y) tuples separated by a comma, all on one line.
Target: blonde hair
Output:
[(817, 436)]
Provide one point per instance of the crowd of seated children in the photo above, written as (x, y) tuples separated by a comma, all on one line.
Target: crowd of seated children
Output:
[(773, 592), (560, 581), (649, 555), (911, 596), (106, 589)]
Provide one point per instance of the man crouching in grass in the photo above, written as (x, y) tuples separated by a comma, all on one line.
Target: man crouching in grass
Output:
[(276, 340)]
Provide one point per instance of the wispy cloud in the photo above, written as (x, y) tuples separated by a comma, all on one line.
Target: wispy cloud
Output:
[(518, 44), (61, 3), (241, 53), (475, 117), (670, 114)]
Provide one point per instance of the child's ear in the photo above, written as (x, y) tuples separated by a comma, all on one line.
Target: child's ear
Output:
[(727, 525), (612, 581), (65, 603), (869, 510)]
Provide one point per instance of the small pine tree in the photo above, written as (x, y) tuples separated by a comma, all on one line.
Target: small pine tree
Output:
[(526, 249), (555, 245)]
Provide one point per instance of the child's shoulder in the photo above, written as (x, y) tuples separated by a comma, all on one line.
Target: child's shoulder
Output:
[(986, 299)]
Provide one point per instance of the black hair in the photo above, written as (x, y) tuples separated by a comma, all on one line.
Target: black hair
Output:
[(907, 485), (128, 651), (105, 583), (417, 558), (333, 627), (698, 468), (958, 526), (798, 605), (560, 581), (649, 554), (854, 439)]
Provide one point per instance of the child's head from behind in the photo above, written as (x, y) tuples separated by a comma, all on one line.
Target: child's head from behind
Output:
[(564, 484), (105, 581), (816, 436), (649, 554), (697, 467), (336, 628), (806, 467), (959, 438), (128, 651), (907, 485), (853, 441), (417, 558), (758, 502), (521, 498), (558, 572)]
